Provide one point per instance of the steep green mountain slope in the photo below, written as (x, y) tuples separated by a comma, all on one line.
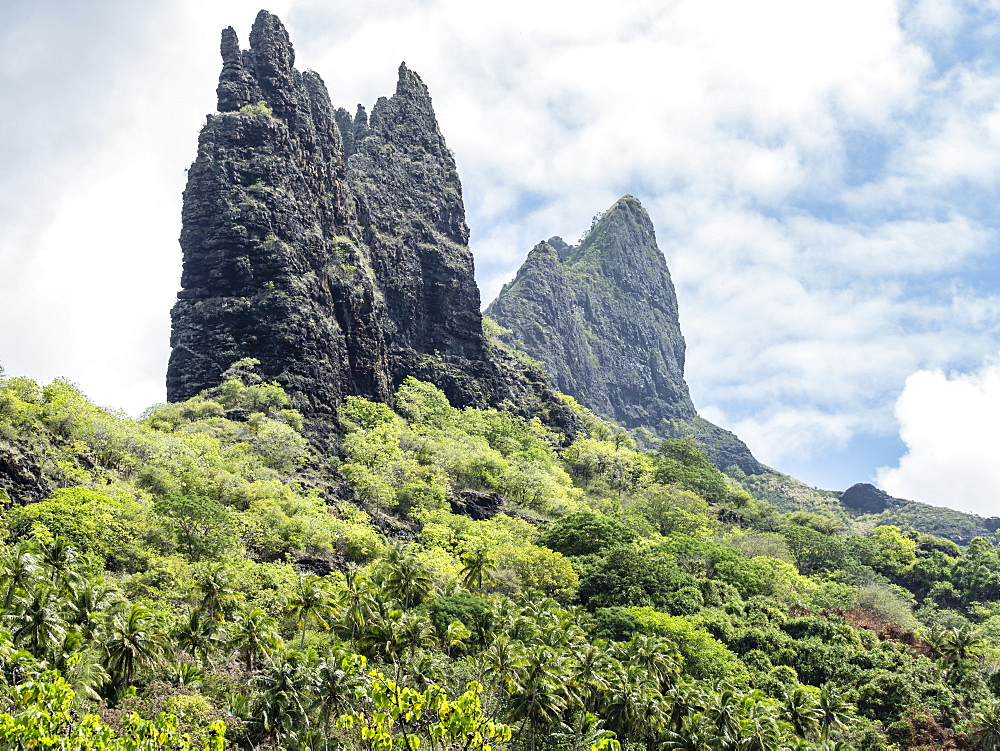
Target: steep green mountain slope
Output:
[(602, 317), (207, 562)]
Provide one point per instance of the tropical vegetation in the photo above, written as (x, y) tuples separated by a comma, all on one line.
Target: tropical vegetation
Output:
[(204, 577)]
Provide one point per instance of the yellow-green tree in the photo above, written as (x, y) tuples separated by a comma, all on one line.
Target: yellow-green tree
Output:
[(42, 718)]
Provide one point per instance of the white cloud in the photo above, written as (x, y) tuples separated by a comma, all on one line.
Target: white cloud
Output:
[(934, 18), (949, 424), (803, 432)]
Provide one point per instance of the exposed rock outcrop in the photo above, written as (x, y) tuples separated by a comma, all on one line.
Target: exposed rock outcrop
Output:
[(878, 507), (865, 498), (602, 317), (22, 479), (476, 505), (332, 248)]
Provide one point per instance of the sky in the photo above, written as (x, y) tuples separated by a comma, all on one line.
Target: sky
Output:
[(823, 178)]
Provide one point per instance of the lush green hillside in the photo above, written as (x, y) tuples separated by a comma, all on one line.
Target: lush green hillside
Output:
[(204, 562)]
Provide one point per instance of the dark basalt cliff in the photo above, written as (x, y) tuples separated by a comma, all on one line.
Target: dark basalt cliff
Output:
[(602, 317), (331, 248)]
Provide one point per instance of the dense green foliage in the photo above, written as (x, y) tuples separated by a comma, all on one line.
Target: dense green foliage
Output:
[(204, 567)]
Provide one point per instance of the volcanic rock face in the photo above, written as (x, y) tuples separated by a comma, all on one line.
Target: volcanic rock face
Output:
[(409, 202), (331, 248), (602, 317)]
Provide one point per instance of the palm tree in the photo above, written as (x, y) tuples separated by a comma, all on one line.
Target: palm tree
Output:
[(657, 656), (336, 676), (133, 642), (505, 612), (542, 610), (962, 643), (986, 728), (591, 668), (424, 669), (60, 557), (455, 637), (577, 616), (760, 729), (801, 710), (562, 634), (695, 733), (310, 601), (254, 635), (217, 594), (406, 579), (390, 633), (186, 674), (37, 621), (415, 631), (478, 565), (725, 714), (633, 704), (82, 670), (523, 628), (539, 693), (936, 638), (835, 711), (502, 662), (582, 733), (198, 635), (282, 711), (19, 567), (91, 605), (355, 601), (685, 698)]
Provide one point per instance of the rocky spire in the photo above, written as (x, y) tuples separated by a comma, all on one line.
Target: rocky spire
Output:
[(274, 266), (273, 63), (360, 125), (342, 276), (409, 198), (234, 85), (602, 317)]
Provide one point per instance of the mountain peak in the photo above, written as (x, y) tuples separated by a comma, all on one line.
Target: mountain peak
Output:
[(269, 40), (622, 240), (333, 249), (602, 316), (608, 331), (407, 117), (264, 73)]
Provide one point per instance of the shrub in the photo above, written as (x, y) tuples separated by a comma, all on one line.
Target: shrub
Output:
[(585, 532), (119, 531)]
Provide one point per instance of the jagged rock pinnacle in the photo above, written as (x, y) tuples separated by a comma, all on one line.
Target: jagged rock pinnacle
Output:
[(602, 317), (333, 249), (233, 90)]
